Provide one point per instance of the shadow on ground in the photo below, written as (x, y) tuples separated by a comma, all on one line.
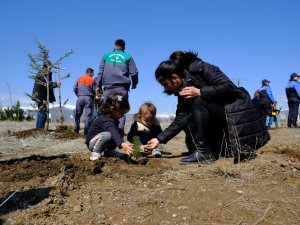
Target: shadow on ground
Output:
[(22, 199)]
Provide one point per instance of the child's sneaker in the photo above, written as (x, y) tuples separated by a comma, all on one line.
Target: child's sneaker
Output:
[(94, 156), (156, 153)]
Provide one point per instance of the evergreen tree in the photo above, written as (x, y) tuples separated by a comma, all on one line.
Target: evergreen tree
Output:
[(40, 66)]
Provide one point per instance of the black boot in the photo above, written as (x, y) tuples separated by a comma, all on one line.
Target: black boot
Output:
[(202, 156), (197, 133)]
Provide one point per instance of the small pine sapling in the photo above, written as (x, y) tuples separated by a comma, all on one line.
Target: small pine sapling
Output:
[(136, 147)]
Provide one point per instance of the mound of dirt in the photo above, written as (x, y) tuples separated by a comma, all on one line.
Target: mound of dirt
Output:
[(66, 134), (43, 167), (35, 132)]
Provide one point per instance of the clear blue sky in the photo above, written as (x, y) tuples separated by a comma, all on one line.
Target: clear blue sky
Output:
[(248, 40)]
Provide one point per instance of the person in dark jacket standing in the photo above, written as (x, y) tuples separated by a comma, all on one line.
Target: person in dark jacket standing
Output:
[(210, 110), (84, 88), (117, 72), (39, 93), (292, 90), (265, 97)]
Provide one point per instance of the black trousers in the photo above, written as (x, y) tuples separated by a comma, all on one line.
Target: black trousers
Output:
[(293, 113), (205, 126)]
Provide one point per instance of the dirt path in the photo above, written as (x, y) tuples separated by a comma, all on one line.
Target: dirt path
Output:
[(59, 188)]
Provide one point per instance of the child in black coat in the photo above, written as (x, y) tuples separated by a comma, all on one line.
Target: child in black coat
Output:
[(104, 134), (145, 126)]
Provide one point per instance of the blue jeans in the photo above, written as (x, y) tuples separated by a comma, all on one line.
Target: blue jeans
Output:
[(41, 118), (271, 120)]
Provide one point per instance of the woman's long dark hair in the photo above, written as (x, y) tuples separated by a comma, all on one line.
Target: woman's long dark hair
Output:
[(177, 63), (114, 103)]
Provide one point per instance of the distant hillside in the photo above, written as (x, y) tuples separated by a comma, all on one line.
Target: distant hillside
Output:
[(55, 114), (68, 114)]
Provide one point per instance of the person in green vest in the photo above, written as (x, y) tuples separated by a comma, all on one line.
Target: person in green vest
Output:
[(117, 73)]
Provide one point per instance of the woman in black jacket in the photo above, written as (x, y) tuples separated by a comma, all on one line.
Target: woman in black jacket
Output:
[(211, 110)]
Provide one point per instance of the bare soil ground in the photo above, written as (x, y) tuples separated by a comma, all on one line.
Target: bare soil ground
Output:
[(47, 178)]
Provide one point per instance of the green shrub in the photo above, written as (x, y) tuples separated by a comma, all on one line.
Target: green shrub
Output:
[(8, 113), (2, 115)]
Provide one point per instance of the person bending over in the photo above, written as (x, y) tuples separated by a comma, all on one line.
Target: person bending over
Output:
[(211, 110)]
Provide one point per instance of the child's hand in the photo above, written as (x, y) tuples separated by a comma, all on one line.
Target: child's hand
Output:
[(127, 147)]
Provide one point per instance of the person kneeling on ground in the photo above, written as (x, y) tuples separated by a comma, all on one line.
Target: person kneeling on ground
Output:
[(104, 135), (211, 110), (145, 126)]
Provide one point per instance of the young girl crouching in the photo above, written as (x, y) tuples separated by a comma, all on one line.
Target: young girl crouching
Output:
[(104, 134)]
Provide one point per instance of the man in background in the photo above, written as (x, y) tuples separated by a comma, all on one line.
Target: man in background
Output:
[(265, 97), (292, 91), (117, 72), (39, 93), (84, 88)]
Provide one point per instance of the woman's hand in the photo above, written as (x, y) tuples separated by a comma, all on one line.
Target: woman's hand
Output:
[(127, 147), (190, 92), (153, 143), (144, 148)]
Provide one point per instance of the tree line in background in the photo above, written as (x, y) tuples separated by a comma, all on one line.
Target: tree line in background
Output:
[(14, 113)]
